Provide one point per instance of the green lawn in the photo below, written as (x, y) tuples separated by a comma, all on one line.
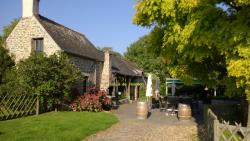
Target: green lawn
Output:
[(55, 126)]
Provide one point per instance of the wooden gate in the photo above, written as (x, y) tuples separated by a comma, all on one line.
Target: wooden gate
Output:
[(14, 106)]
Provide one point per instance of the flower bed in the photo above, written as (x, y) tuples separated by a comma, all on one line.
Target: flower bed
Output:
[(94, 101)]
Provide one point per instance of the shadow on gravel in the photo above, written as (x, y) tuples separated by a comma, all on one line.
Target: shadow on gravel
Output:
[(149, 114), (198, 116)]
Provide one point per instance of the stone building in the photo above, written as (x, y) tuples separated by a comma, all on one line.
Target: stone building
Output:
[(35, 33)]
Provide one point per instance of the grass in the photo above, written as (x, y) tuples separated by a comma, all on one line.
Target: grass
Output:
[(55, 126)]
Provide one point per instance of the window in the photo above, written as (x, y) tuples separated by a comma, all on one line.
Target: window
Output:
[(38, 45)]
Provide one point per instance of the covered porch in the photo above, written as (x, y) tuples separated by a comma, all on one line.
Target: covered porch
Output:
[(126, 79), (125, 87)]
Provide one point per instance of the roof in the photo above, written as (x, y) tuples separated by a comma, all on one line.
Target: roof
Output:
[(69, 40), (124, 67), (178, 81), (77, 44)]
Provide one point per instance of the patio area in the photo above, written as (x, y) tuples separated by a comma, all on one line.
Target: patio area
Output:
[(158, 127)]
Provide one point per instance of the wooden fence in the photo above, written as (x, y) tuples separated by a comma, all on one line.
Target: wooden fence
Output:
[(210, 118), (14, 106), (217, 131)]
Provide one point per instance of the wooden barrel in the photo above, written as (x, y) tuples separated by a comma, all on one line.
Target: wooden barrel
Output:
[(142, 110), (184, 112)]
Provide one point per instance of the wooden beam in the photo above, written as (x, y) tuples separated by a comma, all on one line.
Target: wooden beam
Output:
[(136, 92), (37, 105), (128, 87)]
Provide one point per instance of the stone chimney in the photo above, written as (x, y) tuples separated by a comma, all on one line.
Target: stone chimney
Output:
[(30, 8), (106, 70)]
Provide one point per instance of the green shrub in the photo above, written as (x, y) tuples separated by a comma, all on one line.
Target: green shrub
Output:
[(6, 61), (50, 77)]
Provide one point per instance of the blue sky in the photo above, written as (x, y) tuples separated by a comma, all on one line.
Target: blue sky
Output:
[(106, 23)]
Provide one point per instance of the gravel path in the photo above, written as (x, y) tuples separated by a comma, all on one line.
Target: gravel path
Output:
[(158, 127)]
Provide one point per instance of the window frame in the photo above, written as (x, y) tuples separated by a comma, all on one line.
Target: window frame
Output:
[(35, 47)]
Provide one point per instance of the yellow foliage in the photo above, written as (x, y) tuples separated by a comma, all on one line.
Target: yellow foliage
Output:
[(211, 34)]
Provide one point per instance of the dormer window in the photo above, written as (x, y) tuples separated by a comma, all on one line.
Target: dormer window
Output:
[(38, 45)]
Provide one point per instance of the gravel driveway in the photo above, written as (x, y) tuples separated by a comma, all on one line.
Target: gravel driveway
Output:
[(158, 127)]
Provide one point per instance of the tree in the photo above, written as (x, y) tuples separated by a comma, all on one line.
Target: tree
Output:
[(50, 77), (182, 56), (111, 51), (205, 39), (5, 60), (8, 29), (140, 52)]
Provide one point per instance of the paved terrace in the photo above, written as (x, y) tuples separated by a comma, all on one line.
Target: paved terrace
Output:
[(158, 127)]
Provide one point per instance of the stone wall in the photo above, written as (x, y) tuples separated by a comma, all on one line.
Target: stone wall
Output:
[(19, 42), (87, 67), (99, 67), (106, 71), (91, 69)]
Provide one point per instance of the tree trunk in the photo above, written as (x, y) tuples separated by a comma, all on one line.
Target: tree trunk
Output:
[(248, 114)]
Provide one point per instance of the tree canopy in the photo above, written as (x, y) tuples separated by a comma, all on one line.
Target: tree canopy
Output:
[(204, 39), (5, 60), (115, 53), (141, 53), (8, 29)]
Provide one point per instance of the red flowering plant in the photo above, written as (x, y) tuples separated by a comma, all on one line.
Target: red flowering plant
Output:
[(94, 101)]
